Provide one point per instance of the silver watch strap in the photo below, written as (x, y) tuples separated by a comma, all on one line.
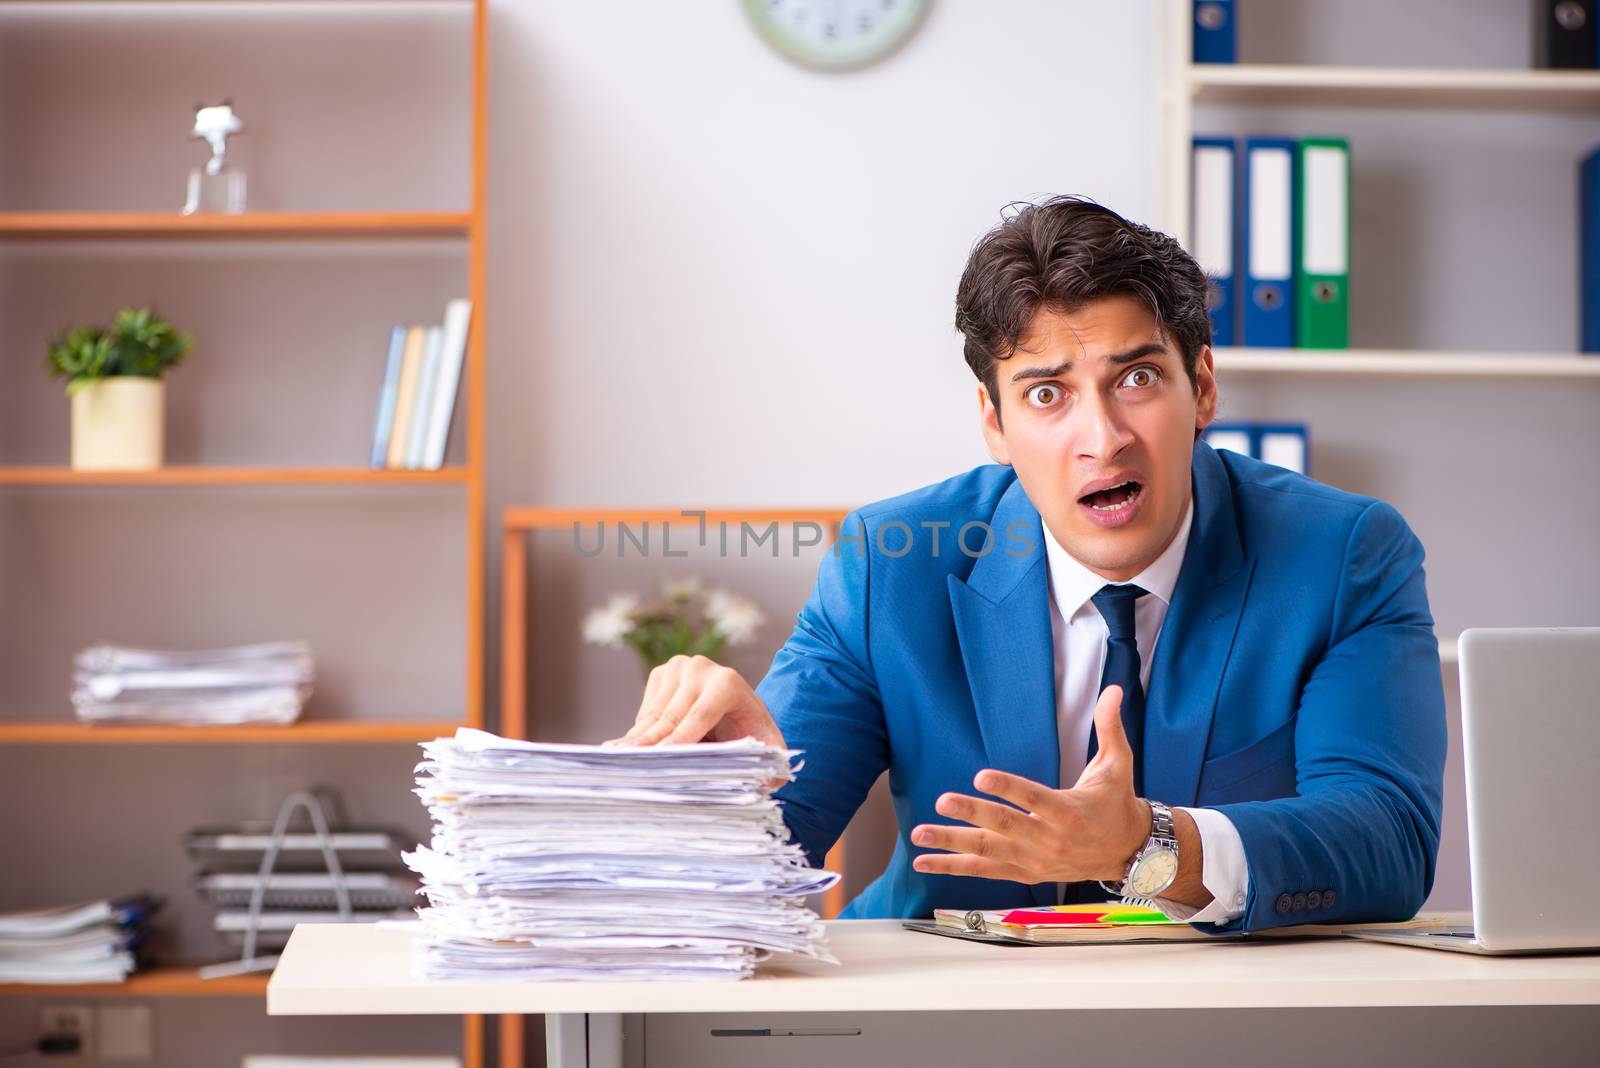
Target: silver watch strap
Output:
[(1161, 834)]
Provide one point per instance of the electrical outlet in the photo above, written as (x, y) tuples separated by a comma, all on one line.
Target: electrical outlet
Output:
[(68, 1021)]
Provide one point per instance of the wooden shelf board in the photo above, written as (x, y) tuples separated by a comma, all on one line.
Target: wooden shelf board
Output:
[(122, 224), (1407, 362), (311, 732), (528, 518), (200, 475), (1257, 84), (157, 982)]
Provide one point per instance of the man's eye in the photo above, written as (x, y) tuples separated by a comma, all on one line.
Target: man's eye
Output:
[(1141, 377), (1042, 396)]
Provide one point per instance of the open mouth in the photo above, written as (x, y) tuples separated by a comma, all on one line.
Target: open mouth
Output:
[(1113, 499)]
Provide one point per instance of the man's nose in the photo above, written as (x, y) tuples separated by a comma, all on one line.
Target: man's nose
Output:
[(1101, 432)]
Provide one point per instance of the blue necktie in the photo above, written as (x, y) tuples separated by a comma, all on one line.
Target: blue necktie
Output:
[(1122, 669)]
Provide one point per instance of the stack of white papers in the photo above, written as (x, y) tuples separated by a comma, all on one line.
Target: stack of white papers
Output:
[(263, 683), (590, 862), (89, 943)]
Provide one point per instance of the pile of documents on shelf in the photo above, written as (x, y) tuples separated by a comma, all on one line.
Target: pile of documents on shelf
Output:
[(264, 683), (97, 942), (299, 888), (591, 862)]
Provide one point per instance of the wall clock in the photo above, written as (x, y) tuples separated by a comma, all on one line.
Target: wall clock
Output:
[(836, 34)]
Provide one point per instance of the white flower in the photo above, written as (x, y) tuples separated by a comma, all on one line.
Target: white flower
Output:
[(681, 589), (735, 618), (611, 622)]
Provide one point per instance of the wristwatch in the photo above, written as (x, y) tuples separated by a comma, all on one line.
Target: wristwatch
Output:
[(1155, 866)]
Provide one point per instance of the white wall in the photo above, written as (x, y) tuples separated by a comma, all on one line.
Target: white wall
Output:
[(718, 277)]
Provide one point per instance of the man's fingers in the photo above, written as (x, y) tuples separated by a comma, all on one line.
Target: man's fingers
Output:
[(658, 688), (1024, 793), (697, 722), (971, 840), (674, 706), (1002, 819), (966, 864), (1108, 722)]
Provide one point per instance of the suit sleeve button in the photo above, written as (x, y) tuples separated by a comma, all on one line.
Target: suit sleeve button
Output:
[(1284, 904), (1327, 899), (1300, 902), (1314, 899)]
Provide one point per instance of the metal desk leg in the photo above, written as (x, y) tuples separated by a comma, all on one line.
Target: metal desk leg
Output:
[(605, 1040), (578, 1040)]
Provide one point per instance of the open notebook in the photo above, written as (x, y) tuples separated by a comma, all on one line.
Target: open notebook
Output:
[(1115, 924)]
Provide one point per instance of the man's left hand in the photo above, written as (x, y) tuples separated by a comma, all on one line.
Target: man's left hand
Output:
[(1091, 831)]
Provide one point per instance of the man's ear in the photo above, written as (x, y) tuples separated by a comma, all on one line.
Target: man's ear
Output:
[(989, 416), (1205, 383)]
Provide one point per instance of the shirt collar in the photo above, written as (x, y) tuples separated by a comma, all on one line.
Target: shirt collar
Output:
[(1072, 584)]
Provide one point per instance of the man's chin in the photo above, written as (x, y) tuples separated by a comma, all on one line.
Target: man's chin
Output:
[(1119, 552)]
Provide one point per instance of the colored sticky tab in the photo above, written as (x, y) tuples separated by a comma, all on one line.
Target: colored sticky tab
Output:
[(1086, 916)]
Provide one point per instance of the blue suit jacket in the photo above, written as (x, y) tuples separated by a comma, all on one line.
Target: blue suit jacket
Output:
[(1295, 686)]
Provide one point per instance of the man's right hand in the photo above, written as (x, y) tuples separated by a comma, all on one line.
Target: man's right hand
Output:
[(693, 698)]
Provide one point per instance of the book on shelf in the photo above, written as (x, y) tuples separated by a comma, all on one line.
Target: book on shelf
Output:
[(1589, 253), (386, 396), (405, 396), (417, 397), (427, 375), (1271, 226), (1287, 445), (1564, 34), (1216, 34)]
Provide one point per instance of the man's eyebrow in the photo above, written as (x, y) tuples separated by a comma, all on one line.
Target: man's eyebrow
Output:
[(1143, 351)]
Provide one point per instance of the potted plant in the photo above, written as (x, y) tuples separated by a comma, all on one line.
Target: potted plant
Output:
[(114, 383), (687, 618)]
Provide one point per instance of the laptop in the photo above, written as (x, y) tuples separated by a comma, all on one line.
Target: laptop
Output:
[(1530, 726)]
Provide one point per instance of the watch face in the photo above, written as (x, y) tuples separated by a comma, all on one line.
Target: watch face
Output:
[(1154, 872), (835, 34)]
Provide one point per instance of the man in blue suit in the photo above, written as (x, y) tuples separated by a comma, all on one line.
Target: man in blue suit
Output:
[(1173, 672)]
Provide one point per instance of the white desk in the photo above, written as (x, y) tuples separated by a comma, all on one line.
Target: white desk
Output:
[(361, 969)]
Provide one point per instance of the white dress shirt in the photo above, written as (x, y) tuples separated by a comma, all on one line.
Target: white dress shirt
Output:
[(1080, 635)]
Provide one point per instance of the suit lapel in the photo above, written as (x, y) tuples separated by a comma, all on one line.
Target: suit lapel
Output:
[(1196, 638), (1002, 616)]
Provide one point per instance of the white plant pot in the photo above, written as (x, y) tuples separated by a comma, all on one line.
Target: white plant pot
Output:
[(117, 425)]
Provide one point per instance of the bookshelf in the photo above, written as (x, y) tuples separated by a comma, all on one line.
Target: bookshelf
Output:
[(155, 983), (328, 138), (91, 225), (1464, 389), (305, 732), (180, 475), (1330, 86), (1447, 228), (1408, 363)]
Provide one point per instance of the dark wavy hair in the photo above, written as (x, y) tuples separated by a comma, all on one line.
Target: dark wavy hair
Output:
[(1062, 254)]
